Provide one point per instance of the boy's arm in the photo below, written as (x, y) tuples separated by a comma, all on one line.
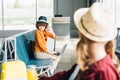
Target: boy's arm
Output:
[(50, 32)]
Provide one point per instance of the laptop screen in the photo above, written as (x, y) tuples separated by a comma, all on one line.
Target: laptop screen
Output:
[(118, 41)]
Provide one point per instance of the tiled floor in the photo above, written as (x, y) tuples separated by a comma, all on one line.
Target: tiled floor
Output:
[(63, 66), (68, 58)]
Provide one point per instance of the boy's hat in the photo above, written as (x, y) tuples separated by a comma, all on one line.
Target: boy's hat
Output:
[(96, 23), (42, 19)]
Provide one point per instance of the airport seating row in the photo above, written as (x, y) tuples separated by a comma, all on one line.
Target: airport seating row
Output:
[(18, 47)]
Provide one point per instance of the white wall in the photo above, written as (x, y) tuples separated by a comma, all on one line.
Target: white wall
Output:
[(67, 8)]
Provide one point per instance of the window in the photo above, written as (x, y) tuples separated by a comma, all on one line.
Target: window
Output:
[(45, 8), (19, 14), (117, 11), (22, 14), (0, 14)]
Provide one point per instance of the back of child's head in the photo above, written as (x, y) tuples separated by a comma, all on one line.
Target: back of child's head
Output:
[(96, 24)]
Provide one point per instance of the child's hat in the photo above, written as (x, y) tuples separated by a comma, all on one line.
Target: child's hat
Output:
[(42, 19), (96, 23)]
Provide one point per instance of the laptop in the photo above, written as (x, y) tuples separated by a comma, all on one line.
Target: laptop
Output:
[(62, 50)]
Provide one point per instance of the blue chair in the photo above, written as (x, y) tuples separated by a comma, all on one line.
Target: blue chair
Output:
[(22, 50)]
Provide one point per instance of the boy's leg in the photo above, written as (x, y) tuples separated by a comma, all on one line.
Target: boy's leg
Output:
[(44, 56)]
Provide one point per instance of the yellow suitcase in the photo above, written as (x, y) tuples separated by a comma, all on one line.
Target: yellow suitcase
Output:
[(13, 70)]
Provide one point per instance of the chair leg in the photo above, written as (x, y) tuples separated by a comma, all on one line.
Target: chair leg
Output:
[(50, 72)]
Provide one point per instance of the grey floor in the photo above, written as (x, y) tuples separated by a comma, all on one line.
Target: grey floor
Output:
[(69, 56)]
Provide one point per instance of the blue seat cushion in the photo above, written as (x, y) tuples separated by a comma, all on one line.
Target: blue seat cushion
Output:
[(40, 62)]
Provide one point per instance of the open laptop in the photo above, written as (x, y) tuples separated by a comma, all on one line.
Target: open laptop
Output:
[(62, 50)]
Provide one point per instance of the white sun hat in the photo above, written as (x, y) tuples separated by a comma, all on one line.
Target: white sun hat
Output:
[(96, 23)]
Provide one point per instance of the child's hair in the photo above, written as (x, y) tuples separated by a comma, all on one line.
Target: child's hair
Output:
[(83, 58), (41, 23)]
